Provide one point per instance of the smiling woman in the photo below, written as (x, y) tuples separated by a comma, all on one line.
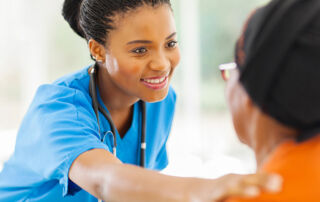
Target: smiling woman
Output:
[(142, 50), (66, 146)]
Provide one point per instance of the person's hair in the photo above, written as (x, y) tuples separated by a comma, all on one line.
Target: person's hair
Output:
[(92, 19), (278, 60)]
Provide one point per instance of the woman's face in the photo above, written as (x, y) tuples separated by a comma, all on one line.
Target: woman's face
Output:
[(142, 52)]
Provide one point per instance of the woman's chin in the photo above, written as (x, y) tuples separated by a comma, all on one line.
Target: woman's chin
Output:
[(156, 96)]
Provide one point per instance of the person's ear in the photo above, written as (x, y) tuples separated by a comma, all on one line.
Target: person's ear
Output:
[(97, 50)]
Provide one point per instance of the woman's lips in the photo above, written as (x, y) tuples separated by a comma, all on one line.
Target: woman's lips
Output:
[(155, 83)]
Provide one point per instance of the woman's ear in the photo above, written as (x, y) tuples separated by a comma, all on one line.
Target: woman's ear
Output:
[(97, 50)]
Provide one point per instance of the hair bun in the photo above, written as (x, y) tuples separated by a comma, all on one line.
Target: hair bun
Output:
[(71, 13)]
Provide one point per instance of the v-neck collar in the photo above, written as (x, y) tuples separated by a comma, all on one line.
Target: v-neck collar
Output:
[(131, 134)]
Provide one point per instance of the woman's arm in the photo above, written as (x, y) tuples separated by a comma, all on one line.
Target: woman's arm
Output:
[(104, 176)]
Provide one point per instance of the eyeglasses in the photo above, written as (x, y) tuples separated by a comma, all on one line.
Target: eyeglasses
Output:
[(225, 70)]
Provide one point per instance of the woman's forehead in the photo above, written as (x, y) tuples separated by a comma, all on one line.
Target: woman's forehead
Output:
[(145, 22)]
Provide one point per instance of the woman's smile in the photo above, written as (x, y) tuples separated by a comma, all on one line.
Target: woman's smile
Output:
[(156, 83), (141, 57)]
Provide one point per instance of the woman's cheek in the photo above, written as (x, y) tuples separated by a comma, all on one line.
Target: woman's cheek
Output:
[(176, 58), (237, 108), (112, 65)]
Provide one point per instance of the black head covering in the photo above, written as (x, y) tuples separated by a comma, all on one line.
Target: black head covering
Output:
[(278, 57)]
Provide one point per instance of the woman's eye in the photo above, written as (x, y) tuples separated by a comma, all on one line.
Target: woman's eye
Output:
[(139, 50), (172, 44)]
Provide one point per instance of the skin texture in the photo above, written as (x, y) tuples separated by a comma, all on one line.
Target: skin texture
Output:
[(254, 128), (121, 70)]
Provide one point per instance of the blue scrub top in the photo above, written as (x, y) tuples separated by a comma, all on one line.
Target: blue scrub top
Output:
[(60, 125)]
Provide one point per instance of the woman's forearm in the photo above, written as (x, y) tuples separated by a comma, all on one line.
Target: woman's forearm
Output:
[(133, 184), (104, 176)]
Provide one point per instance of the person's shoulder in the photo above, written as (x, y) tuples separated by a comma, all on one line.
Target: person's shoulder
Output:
[(78, 80), (290, 156), (70, 91), (299, 166), (47, 93), (69, 88), (60, 105), (53, 92)]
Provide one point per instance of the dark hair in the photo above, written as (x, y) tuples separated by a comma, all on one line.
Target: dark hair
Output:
[(278, 60), (93, 18)]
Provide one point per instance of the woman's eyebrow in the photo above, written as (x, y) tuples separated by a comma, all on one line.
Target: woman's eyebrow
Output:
[(148, 42), (139, 41), (171, 35)]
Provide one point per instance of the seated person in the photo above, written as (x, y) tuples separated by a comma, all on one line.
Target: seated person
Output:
[(274, 96)]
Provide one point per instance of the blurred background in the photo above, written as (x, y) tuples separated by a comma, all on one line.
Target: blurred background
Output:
[(38, 47)]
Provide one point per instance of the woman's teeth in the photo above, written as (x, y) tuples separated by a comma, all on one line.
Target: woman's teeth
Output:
[(156, 81)]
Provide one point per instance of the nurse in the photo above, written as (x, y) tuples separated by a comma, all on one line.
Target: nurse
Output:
[(65, 149)]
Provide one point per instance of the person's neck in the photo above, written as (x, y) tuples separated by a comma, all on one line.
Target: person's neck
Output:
[(266, 146), (112, 96), (118, 103), (267, 137)]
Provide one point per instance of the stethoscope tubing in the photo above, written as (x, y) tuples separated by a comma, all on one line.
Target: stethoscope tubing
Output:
[(97, 107)]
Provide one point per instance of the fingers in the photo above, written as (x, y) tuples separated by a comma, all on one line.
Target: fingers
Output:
[(240, 187), (249, 186), (267, 182), (243, 191)]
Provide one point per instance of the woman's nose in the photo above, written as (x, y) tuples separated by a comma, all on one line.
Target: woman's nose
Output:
[(160, 62)]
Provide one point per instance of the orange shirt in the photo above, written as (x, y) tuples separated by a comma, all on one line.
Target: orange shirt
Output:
[(299, 165)]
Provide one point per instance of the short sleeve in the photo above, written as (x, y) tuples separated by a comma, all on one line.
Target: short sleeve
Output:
[(59, 126)]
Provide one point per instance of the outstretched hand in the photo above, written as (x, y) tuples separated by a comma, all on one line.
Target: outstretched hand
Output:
[(231, 185)]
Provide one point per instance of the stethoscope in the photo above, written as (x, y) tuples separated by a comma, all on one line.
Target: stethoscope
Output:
[(97, 107)]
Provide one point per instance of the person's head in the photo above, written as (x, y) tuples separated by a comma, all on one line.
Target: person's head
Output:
[(276, 83), (134, 42)]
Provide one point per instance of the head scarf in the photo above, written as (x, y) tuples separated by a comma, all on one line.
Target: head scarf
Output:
[(278, 56)]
